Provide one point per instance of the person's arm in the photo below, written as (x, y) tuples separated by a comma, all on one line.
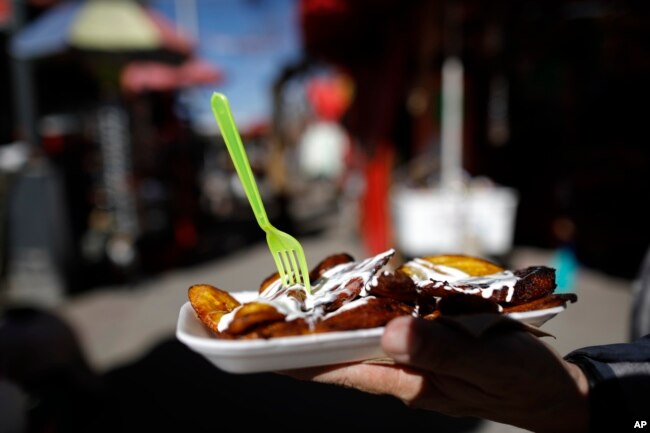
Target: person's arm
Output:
[(619, 384), (507, 376)]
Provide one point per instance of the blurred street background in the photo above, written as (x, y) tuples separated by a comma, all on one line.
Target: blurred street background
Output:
[(509, 130)]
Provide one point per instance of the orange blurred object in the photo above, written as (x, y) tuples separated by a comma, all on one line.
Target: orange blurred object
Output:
[(330, 96)]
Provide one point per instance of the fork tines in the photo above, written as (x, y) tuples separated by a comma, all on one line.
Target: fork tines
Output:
[(287, 263)]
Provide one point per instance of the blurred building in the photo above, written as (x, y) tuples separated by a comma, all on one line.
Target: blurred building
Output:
[(551, 95)]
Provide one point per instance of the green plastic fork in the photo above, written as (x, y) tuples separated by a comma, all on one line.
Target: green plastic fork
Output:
[(287, 252)]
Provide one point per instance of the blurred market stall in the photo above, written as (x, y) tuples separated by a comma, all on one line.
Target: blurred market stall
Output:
[(110, 44)]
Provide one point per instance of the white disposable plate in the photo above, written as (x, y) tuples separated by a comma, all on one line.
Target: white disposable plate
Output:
[(252, 356)]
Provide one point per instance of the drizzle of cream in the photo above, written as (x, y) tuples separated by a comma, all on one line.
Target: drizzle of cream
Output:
[(332, 284), (349, 306)]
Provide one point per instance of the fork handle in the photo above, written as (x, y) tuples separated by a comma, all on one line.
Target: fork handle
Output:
[(223, 114)]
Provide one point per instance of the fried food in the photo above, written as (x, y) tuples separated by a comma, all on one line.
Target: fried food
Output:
[(278, 329), (328, 263), (457, 304), (534, 282), (348, 295), (211, 304), (269, 280), (397, 286), (342, 280), (550, 301), (371, 314), (441, 276), (472, 266), (253, 314)]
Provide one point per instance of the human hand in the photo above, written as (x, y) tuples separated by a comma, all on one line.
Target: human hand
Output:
[(507, 376)]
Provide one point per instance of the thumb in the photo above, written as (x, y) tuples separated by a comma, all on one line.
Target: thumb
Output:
[(428, 345)]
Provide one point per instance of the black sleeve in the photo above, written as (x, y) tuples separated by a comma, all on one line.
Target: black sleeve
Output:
[(619, 384), (641, 302)]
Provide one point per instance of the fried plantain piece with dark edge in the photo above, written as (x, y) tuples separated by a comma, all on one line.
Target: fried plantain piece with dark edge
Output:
[(210, 304), (433, 315), (318, 271), (348, 291), (549, 301), (278, 329), (375, 312), (458, 303), (351, 280), (472, 266), (251, 315), (328, 263), (268, 281), (396, 285), (534, 282)]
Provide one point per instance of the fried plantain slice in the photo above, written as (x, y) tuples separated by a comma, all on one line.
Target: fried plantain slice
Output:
[(346, 284), (534, 282), (322, 267), (472, 266), (432, 315), (371, 314), (210, 304), (252, 314), (426, 305), (328, 263), (278, 329), (444, 290), (396, 285), (457, 303), (268, 281), (549, 301), (346, 293)]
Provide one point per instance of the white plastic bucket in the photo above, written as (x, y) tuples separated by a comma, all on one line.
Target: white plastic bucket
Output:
[(491, 218), (432, 221)]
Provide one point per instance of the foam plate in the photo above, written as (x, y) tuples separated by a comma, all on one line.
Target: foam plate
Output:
[(253, 356)]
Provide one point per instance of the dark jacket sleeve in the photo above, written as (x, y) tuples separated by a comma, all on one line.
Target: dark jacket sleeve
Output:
[(640, 323), (619, 384)]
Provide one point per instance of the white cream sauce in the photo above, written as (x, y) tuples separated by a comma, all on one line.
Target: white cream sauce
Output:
[(325, 290)]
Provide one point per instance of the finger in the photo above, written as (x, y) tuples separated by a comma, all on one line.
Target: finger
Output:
[(398, 381), (444, 394)]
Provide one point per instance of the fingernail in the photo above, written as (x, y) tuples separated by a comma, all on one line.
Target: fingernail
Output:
[(399, 341)]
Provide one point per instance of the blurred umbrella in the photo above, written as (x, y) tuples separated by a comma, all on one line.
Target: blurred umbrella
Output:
[(113, 26), (156, 76)]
